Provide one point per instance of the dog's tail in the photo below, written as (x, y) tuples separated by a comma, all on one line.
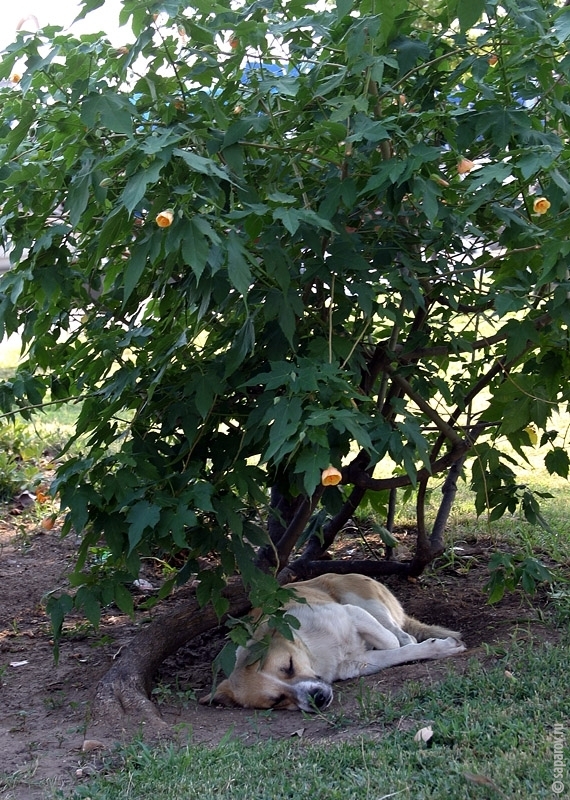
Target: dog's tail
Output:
[(421, 631)]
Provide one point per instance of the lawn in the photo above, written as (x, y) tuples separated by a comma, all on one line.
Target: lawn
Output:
[(494, 735)]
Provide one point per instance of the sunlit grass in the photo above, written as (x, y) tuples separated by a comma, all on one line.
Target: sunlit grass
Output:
[(49, 427), (9, 356)]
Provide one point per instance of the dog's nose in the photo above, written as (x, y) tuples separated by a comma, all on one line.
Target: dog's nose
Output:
[(321, 697)]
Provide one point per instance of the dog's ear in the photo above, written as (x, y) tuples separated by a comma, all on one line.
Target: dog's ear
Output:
[(223, 696)]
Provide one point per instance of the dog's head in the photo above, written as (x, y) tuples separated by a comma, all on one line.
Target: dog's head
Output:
[(283, 679)]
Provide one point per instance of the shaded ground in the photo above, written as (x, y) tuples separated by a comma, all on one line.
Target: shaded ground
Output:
[(44, 708)]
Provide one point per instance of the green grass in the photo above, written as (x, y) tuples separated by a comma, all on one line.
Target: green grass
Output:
[(49, 428), (493, 737), (9, 356)]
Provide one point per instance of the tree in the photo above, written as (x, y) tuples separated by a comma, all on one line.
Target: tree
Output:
[(268, 239)]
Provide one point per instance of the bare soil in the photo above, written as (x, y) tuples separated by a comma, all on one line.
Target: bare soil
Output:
[(46, 737)]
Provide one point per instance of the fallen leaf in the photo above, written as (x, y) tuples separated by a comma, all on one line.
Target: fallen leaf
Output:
[(298, 732), (424, 734), (92, 744)]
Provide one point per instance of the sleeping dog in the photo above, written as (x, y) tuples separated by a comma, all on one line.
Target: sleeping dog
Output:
[(350, 626)]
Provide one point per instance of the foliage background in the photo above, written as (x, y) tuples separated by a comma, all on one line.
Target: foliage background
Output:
[(332, 289)]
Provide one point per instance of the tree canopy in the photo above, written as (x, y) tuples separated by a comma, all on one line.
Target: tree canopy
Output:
[(264, 239)]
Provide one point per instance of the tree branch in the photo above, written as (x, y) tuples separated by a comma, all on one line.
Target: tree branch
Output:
[(352, 473)]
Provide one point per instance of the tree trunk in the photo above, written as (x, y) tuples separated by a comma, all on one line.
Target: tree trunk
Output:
[(122, 696)]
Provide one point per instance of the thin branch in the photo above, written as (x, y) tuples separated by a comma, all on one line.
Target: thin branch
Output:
[(447, 430), (354, 474), (318, 545)]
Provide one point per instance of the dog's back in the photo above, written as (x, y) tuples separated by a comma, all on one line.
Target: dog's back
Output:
[(375, 598)]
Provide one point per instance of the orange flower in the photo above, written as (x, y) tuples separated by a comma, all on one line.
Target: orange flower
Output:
[(492, 60), (541, 205), (165, 218), (464, 166), (331, 476)]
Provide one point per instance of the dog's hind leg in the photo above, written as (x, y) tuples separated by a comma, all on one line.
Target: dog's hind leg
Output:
[(371, 630), (376, 660), (383, 616)]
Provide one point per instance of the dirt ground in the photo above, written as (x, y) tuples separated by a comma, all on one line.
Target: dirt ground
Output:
[(45, 708)]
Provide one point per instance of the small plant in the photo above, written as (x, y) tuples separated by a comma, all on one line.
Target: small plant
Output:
[(12, 480), (371, 702), (560, 600), (56, 700), (509, 571), (167, 693)]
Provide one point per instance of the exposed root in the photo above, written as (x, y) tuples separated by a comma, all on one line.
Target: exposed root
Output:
[(122, 696)]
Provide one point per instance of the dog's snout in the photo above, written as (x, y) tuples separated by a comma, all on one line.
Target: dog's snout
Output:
[(321, 696)]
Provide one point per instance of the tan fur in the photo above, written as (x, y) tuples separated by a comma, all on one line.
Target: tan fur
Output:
[(350, 626)]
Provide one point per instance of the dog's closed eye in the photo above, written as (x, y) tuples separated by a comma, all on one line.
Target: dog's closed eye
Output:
[(289, 670), (276, 701)]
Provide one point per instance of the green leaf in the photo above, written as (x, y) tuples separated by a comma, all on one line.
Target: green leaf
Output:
[(385, 535), (557, 462), (495, 588), (561, 27), (286, 416), (88, 601), (124, 599), (206, 390), (57, 608), (289, 217), (195, 248), (135, 189), (226, 658), (239, 272), (204, 166), (469, 13), (112, 110), (343, 8), (78, 196), (141, 516), (316, 220), (210, 585), (135, 268), (18, 133), (87, 6), (311, 463)]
